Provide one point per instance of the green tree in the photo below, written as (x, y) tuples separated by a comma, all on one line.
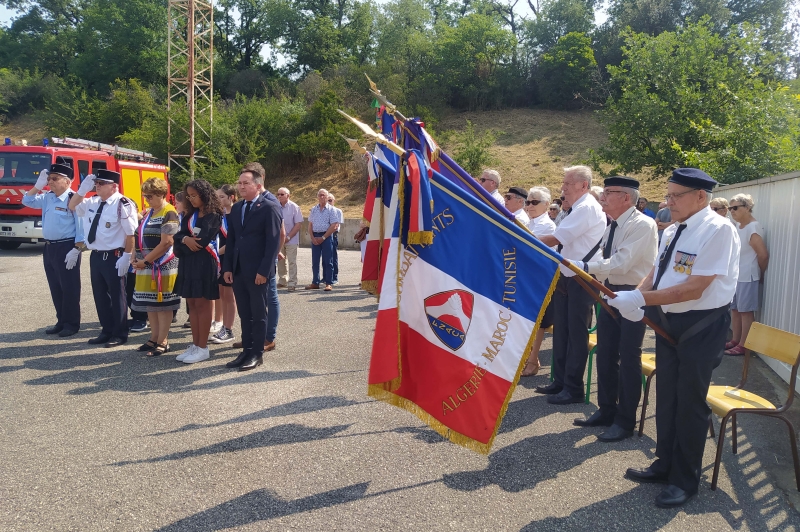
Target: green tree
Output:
[(696, 96), (556, 19), (565, 72)]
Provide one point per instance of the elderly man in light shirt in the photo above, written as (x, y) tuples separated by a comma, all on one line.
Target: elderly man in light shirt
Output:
[(287, 261), (490, 180), (515, 202), (629, 248), (577, 238)]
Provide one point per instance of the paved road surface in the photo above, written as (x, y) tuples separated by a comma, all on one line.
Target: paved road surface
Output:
[(96, 439)]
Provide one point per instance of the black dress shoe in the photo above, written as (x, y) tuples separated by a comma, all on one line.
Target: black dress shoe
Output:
[(251, 363), (114, 341), (238, 361), (673, 496), (67, 332), (564, 398), (55, 329), (615, 433), (99, 340), (598, 419), (646, 475), (550, 389)]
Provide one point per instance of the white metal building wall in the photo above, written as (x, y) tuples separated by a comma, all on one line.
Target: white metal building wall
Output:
[(777, 208)]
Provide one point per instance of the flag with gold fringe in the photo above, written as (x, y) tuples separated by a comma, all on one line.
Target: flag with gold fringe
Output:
[(458, 312)]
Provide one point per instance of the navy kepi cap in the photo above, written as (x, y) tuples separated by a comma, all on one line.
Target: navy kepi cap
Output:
[(519, 191), (61, 169), (621, 181), (107, 175), (692, 178)]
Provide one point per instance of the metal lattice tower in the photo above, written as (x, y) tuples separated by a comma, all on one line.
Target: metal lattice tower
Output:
[(190, 73)]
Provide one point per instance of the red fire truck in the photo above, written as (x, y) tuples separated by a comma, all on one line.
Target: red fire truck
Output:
[(20, 166)]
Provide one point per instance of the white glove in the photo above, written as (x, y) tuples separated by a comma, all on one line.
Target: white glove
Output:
[(87, 185), (627, 302), (41, 182), (577, 263), (635, 315), (123, 264), (72, 258)]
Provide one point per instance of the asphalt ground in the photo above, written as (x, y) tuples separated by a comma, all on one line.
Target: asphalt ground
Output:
[(98, 439)]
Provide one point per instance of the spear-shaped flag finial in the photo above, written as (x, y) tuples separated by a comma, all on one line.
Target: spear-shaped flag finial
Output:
[(370, 133)]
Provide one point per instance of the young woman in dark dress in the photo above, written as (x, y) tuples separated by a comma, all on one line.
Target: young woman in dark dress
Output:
[(199, 266)]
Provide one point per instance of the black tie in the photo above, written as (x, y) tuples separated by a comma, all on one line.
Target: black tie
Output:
[(664, 261), (246, 209), (95, 221), (607, 249), (561, 246)]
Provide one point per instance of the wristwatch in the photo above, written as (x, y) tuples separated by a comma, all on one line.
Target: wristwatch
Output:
[(80, 246), (147, 263)]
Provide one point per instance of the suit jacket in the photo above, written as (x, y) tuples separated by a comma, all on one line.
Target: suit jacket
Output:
[(252, 247)]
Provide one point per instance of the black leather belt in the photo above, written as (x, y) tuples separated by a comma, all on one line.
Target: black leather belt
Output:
[(60, 241)]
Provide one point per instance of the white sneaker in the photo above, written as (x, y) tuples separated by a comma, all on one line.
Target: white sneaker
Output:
[(215, 327), (200, 354), (186, 353)]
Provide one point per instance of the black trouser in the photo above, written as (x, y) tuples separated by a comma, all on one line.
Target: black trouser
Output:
[(65, 285), (684, 375), (619, 365), (110, 298), (572, 318), (130, 284), (251, 304)]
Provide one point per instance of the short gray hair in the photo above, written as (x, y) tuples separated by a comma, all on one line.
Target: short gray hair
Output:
[(596, 191), (633, 193), (322, 190), (494, 173), (284, 190), (745, 199), (581, 172), (542, 192)]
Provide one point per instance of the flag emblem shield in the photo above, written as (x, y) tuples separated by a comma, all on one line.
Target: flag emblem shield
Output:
[(449, 315)]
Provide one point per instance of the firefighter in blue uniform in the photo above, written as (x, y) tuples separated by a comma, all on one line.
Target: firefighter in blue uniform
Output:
[(63, 234), (110, 220)]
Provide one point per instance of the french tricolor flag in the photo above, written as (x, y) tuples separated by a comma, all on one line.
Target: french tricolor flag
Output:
[(457, 316)]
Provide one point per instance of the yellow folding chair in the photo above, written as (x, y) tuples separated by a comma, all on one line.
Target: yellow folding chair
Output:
[(648, 372), (728, 401)]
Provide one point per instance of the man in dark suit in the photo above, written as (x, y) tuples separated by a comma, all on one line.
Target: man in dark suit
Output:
[(254, 238)]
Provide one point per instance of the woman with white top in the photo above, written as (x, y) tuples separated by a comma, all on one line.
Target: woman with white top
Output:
[(536, 206), (753, 261)]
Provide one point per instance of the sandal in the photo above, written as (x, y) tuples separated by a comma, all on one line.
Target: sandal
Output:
[(158, 350), (535, 370), (147, 346), (736, 351), (731, 345)]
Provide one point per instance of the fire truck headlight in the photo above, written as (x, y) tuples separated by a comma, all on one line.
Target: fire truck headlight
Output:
[(37, 223)]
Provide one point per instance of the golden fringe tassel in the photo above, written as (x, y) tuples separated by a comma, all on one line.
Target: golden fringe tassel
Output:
[(424, 238), (370, 286), (365, 221)]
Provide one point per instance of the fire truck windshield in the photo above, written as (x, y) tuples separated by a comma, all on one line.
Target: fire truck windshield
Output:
[(22, 168)]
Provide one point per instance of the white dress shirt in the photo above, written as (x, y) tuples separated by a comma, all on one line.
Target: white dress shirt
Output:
[(117, 221), (708, 246), (581, 230), (522, 216), (291, 216), (633, 250), (499, 197), (748, 260), (542, 225)]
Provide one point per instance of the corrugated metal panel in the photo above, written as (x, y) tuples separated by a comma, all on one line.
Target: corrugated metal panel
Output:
[(776, 207)]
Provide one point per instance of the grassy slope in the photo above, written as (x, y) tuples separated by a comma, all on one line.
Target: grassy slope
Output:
[(532, 148)]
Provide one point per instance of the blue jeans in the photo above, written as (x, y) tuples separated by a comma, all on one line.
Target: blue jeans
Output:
[(325, 251), (273, 309), (335, 261)]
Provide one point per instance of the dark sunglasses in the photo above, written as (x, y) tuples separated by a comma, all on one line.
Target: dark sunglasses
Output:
[(533, 202), (330, 201), (148, 196), (717, 209), (735, 207)]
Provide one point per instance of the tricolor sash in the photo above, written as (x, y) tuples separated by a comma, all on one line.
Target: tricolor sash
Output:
[(155, 282), (213, 246)]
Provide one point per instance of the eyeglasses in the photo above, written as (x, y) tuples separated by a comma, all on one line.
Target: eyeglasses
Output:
[(554, 208), (717, 209), (607, 192), (484, 180), (330, 201), (148, 196), (676, 196), (101, 183), (280, 194), (509, 197), (192, 196), (56, 177), (736, 207), (533, 202)]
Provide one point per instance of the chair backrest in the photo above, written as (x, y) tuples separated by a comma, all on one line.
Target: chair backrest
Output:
[(774, 343)]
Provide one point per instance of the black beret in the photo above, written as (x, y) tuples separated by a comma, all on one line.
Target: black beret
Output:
[(107, 175), (692, 178), (621, 181), (62, 169), (519, 191)]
